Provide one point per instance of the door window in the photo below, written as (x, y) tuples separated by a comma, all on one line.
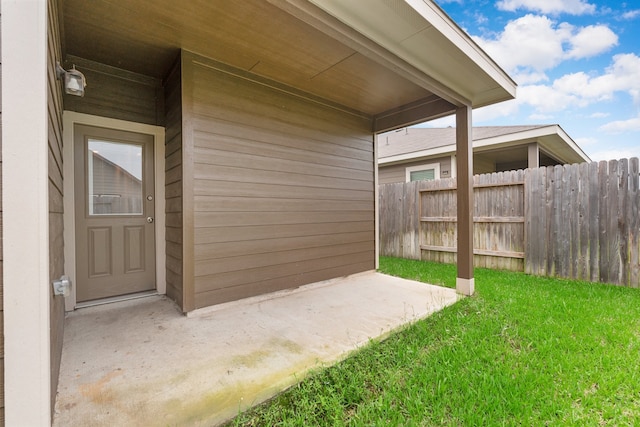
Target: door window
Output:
[(114, 178)]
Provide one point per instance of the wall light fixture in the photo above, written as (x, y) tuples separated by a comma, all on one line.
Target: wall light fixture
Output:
[(74, 80)]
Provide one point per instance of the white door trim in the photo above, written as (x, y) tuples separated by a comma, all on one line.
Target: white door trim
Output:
[(71, 118)]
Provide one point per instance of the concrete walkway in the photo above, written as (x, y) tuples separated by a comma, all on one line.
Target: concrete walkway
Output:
[(142, 363)]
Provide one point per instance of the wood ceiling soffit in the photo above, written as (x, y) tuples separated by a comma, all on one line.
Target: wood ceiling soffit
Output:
[(306, 48), (328, 24)]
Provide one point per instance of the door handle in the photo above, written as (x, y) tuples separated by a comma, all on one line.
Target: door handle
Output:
[(149, 219)]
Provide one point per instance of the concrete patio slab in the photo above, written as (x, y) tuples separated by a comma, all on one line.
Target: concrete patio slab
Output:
[(142, 363)]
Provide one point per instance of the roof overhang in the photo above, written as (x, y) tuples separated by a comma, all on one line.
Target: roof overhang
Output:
[(552, 139), (421, 33), (399, 62)]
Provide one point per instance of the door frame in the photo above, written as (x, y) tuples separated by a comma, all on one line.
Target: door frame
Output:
[(70, 119)]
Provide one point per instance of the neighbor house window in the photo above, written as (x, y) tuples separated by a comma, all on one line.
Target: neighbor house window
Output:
[(423, 172)]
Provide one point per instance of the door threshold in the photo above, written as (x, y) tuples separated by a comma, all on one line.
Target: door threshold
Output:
[(118, 298)]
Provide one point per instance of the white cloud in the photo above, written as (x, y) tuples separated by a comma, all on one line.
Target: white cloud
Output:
[(583, 142), (535, 43), (530, 42), (592, 40), (599, 115), (632, 14), (574, 7), (541, 117), (530, 77), (490, 112), (615, 154), (581, 89), (480, 18), (546, 99), (620, 126)]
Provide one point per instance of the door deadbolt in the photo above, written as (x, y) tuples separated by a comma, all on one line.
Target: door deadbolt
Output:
[(149, 219)]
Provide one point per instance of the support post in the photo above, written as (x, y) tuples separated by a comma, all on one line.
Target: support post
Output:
[(25, 204), (464, 161), (533, 156)]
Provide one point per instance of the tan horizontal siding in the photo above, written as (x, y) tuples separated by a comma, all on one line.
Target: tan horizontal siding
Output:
[(258, 274), (173, 186), (239, 174), (273, 204), (237, 263), (277, 145), (56, 195), (116, 93), (266, 246), (292, 191), (231, 219), (283, 190), (270, 231), (271, 285), (259, 161)]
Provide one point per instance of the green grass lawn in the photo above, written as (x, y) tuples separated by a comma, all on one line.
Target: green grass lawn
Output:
[(525, 351)]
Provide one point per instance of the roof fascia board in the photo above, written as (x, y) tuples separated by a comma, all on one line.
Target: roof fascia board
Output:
[(554, 132), (571, 143), (319, 18), (513, 138), (505, 87), (418, 155), (429, 108), (445, 25)]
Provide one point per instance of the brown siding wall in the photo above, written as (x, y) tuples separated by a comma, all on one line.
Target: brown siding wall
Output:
[(173, 183), (1, 270), (397, 173), (56, 242), (117, 94), (282, 187)]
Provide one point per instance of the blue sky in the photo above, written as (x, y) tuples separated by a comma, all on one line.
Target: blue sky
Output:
[(576, 62)]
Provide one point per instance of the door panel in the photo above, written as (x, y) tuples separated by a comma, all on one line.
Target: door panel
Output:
[(99, 251), (133, 249), (115, 206)]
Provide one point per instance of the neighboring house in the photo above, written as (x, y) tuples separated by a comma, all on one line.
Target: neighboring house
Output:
[(112, 188), (256, 123), (413, 153)]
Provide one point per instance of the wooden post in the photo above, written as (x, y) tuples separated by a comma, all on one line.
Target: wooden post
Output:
[(464, 161), (533, 156)]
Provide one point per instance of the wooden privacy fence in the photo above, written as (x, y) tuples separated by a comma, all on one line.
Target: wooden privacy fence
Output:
[(576, 221)]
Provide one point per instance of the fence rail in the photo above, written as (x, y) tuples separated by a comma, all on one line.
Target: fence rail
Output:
[(576, 221)]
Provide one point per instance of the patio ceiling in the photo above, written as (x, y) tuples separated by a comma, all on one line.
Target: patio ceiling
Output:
[(290, 41)]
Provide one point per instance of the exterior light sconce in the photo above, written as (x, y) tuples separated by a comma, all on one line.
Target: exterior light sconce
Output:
[(74, 81)]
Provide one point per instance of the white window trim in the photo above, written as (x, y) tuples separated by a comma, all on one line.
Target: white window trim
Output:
[(454, 167), (434, 166), (71, 118)]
